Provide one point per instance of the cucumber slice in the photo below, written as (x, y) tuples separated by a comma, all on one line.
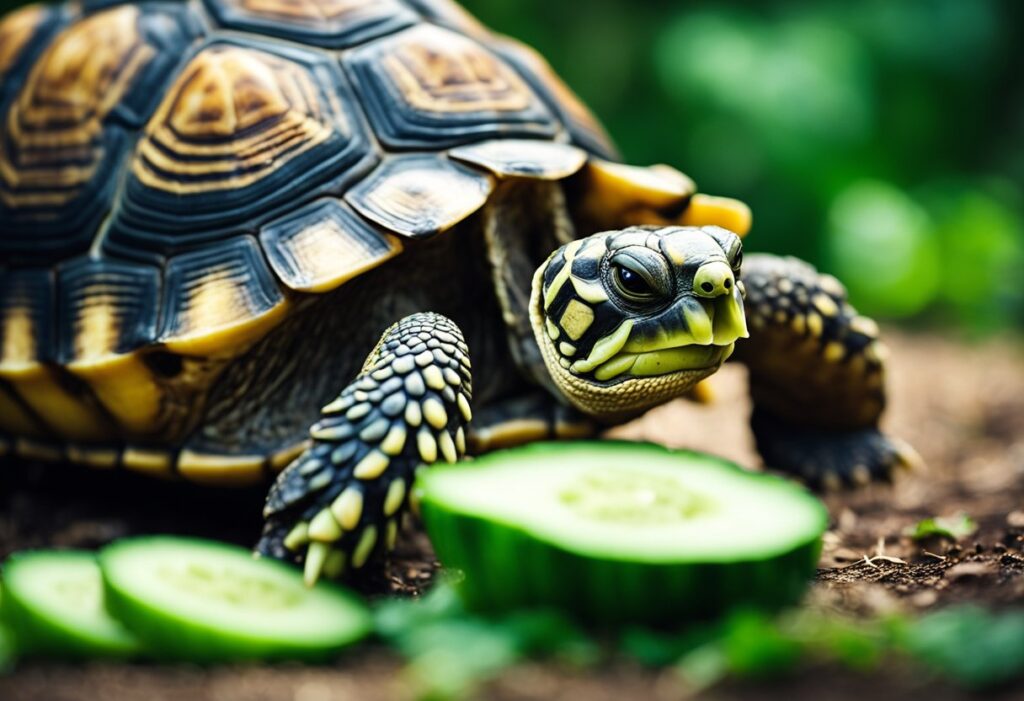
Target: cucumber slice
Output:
[(204, 601), (621, 532), (53, 603)]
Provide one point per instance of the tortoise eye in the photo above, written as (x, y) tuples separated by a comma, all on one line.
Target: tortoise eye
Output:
[(631, 284)]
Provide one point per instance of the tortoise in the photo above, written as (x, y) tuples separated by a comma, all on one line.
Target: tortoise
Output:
[(211, 210)]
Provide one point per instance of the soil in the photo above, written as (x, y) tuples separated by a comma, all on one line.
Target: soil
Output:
[(960, 405)]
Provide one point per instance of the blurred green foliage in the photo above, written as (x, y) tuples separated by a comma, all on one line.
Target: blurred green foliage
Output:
[(452, 652), (883, 141)]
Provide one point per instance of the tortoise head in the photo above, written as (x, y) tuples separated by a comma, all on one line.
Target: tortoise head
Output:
[(629, 319)]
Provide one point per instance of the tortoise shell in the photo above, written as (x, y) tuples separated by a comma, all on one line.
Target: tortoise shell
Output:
[(175, 176)]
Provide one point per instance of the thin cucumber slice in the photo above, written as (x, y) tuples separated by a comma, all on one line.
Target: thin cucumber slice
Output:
[(204, 601), (53, 603), (621, 532)]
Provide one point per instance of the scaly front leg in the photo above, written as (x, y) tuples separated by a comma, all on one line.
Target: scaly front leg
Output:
[(817, 377), (339, 502)]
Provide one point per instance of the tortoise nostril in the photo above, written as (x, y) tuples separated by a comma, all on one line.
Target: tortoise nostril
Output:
[(713, 279)]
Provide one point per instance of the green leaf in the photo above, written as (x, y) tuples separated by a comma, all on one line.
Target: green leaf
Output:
[(975, 647), (952, 527)]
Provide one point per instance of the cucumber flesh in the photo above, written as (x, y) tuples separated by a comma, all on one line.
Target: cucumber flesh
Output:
[(204, 601), (621, 532), (53, 603)]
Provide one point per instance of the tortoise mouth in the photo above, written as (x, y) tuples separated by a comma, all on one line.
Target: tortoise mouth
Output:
[(692, 357)]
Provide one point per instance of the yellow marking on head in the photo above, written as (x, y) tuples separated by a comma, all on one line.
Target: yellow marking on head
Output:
[(698, 323), (730, 323), (221, 470), (589, 291), (593, 248), (706, 210), (825, 304), (605, 348), (615, 367), (553, 332), (566, 349), (562, 275), (576, 319)]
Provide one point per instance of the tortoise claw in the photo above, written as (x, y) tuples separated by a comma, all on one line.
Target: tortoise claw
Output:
[(831, 460)]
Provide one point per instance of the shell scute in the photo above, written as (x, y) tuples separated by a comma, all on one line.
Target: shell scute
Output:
[(323, 245), (105, 308), (429, 87), (263, 122), (64, 133), (334, 24), (419, 196), (222, 296)]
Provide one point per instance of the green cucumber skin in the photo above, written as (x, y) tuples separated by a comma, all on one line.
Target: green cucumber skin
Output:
[(37, 635), (179, 638), (507, 568)]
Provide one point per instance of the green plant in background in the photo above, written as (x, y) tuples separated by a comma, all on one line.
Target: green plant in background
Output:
[(883, 141), (451, 652)]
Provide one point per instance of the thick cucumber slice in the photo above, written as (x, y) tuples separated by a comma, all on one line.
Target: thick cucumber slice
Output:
[(621, 532), (205, 601), (53, 603)]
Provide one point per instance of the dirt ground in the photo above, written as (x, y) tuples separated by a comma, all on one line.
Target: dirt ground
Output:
[(960, 405)]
